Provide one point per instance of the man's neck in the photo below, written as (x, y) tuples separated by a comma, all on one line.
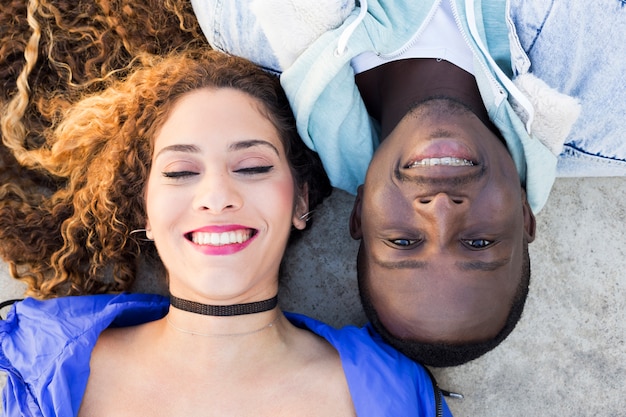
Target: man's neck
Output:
[(390, 90)]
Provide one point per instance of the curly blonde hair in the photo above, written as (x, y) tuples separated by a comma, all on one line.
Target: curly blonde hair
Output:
[(72, 239), (51, 52)]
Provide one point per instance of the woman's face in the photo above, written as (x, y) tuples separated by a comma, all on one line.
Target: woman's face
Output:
[(220, 198)]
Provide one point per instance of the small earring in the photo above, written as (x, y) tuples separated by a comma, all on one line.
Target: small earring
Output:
[(307, 216), (146, 239)]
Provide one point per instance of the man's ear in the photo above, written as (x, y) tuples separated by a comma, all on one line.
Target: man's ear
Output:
[(355, 216), (301, 213), (529, 219)]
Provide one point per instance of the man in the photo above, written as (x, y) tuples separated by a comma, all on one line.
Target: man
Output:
[(443, 220), (442, 216), (463, 144)]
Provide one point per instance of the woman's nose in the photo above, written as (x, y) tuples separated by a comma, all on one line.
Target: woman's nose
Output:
[(216, 193)]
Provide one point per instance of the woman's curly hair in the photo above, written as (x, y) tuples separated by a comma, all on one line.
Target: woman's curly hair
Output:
[(51, 52), (73, 238)]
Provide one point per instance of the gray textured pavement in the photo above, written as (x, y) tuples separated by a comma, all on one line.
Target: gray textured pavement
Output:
[(568, 355)]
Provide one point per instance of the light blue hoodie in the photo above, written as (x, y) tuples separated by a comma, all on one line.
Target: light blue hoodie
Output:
[(320, 84)]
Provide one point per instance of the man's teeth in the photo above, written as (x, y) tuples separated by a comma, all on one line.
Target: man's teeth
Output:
[(447, 161), (220, 239)]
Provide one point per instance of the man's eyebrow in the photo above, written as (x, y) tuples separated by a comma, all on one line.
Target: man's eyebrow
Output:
[(245, 144), (483, 266), (404, 264), (464, 265)]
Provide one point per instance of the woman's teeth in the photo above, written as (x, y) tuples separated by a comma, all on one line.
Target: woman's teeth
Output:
[(220, 239)]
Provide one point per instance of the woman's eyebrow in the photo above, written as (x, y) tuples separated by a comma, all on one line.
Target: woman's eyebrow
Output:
[(244, 144), (178, 148)]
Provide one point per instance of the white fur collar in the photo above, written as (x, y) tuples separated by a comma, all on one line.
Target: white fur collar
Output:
[(292, 25), (555, 113)]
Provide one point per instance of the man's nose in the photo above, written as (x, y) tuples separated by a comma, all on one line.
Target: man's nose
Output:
[(442, 211), (441, 199), (216, 193)]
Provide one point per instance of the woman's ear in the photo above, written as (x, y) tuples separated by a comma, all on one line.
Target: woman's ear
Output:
[(149, 234), (301, 213)]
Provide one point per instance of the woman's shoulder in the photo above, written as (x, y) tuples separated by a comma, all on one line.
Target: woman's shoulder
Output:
[(49, 342), (34, 326), (360, 341), (68, 315), (372, 367)]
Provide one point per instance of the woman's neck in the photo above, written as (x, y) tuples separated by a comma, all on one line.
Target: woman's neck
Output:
[(219, 342), (221, 327)]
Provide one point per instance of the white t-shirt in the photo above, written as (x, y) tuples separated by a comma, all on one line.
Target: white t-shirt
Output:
[(441, 39)]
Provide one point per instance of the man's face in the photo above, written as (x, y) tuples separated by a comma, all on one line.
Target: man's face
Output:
[(442, 218)]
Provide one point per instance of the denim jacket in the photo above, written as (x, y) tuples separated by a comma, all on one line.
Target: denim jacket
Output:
[(312, 45), (578, 48)]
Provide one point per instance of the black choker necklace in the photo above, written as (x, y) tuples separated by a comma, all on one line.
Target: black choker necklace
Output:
[(228, 310)]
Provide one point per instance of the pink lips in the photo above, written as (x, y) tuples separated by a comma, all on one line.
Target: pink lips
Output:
[(209, 240)]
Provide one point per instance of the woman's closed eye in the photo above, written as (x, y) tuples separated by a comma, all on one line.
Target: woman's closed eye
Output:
[(179, 174), (261, 169)]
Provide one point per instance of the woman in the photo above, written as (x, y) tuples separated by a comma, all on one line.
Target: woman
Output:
[(201, 152)]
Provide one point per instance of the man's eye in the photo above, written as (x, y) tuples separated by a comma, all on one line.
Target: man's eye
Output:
[(179, 174), (478, 243), (255, 170), (404, 242)]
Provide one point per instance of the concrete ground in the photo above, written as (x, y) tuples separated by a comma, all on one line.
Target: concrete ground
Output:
[(567, 356)]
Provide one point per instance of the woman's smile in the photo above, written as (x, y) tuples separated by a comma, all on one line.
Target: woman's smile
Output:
[(221, 238), (215, 240)]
